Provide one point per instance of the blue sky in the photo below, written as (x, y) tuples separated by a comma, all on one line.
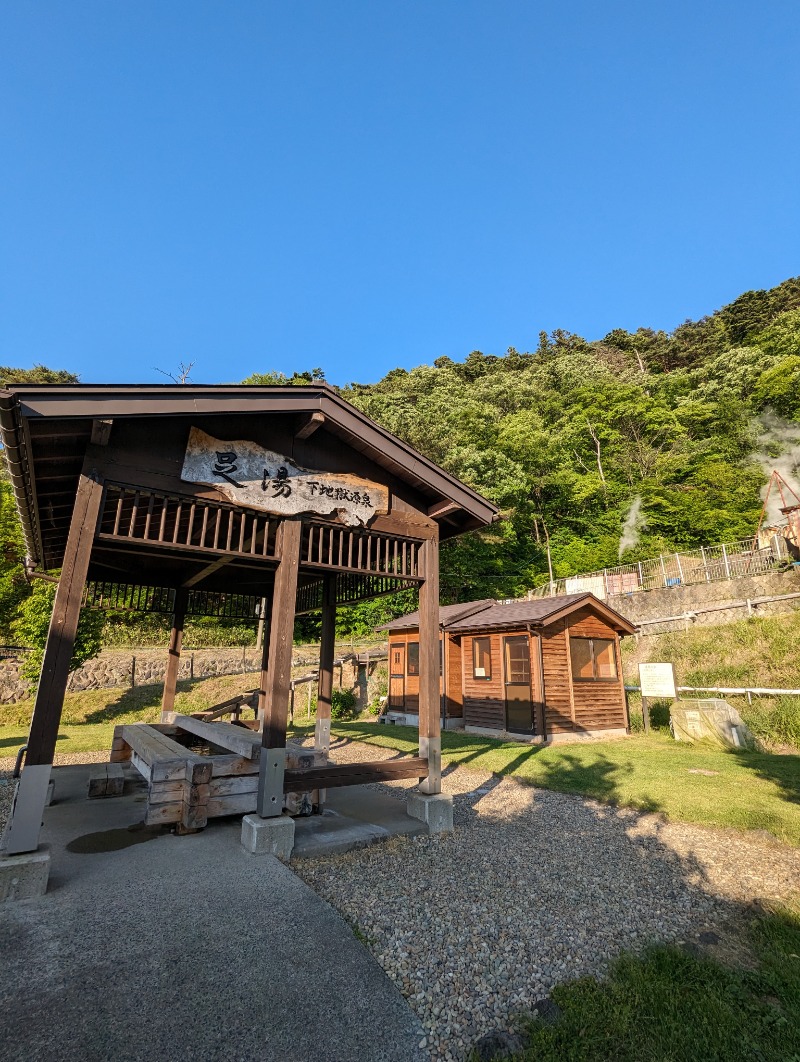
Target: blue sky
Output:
[(258, 186)]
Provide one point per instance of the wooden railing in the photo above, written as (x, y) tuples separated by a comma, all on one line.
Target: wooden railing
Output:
[(137, 515), (330, 546)]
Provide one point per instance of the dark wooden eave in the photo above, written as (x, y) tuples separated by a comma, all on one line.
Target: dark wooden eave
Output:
[(46, 429)]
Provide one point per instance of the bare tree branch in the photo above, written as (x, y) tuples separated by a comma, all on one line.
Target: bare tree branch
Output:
[(182, 376)]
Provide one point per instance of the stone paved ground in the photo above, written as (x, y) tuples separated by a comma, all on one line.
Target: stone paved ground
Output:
[(534, 888)]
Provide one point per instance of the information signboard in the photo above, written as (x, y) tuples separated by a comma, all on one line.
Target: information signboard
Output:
[(657, 681)]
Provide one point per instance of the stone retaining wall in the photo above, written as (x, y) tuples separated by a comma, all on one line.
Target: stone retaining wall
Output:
[(142, 667), (677, 600)]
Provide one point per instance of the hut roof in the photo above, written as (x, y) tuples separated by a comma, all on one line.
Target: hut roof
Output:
[(492, 615), (448, 614), (540, 612)]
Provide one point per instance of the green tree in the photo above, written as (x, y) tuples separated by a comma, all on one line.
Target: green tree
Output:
[(33, 622), (38, 374)]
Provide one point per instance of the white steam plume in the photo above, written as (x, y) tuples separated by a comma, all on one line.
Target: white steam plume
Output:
[(778, 451), (630, 529)]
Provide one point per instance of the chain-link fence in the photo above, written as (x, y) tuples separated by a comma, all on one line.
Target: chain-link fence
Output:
[(709, 564)]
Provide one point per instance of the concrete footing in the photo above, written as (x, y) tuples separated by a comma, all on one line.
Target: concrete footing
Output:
[(435, 811), (273, 836), (23, 877)]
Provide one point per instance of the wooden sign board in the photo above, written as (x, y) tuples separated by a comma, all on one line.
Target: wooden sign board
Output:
[(658, 681), (261, 479)]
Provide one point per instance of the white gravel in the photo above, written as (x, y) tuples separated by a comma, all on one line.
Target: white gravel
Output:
[(534, 888)]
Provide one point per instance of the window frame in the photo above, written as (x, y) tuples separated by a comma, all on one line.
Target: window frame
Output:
[(409, 654), (487, 638), (594, 677)]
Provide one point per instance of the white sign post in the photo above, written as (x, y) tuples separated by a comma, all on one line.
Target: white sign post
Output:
[(657, 682)]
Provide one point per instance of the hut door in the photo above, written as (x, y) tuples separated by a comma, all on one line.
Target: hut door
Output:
[(397, 676), (517, 671)]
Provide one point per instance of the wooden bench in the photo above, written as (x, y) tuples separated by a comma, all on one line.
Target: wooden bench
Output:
[(189, 789)]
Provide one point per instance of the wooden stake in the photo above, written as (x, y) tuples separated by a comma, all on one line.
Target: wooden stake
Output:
[(174, 658)]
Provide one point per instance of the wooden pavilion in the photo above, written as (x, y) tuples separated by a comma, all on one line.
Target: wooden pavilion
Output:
[(207, 501)]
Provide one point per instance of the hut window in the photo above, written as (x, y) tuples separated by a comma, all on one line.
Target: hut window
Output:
[(413, 658), (592, 658), (482, 658)]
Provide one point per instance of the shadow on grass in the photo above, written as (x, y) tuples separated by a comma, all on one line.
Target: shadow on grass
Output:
[(782, 771), (595, 775), (134, 700), (685, 1003)]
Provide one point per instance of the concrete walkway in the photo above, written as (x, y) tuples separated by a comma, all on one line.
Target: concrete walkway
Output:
[(184, 948)]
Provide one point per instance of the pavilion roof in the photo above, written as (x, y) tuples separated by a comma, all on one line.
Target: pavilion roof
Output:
[(45, 475)]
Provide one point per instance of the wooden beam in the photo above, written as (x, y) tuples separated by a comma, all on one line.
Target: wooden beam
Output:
[(430, 741), (174, 657), (209, 569), (301, 779), (233, 738), (322, 729), (444, 508), (101, 432), (276, 690), (316, 420), (28, 808), (64, 621)]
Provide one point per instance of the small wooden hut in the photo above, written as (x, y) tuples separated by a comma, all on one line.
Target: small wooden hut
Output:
[(545, 669), (225, 501)]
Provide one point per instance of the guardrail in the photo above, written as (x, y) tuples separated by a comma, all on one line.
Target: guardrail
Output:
[(733, 691), (686, 618)]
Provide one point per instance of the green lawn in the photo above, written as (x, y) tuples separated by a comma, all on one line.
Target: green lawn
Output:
[(671, 1006), (89, 718), (747, 790), (750, 790)]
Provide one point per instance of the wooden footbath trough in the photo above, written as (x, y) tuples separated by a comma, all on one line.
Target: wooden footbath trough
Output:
[(240, 503), (196, 771)]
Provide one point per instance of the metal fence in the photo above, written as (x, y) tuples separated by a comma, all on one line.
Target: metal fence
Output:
[(709, 564)]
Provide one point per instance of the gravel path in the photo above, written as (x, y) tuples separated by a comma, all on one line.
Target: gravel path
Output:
[(533, 888)]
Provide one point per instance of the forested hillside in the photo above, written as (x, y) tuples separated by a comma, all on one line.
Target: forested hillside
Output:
[(665, 437), (567, 437)]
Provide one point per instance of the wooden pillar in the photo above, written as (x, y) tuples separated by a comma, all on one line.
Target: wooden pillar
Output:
[(29, 803), (276, 681), (174, 658), (430, 741), (262, 688), (322, 730)]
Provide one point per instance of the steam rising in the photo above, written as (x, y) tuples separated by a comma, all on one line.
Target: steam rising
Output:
[(778, 450), (630, 530)]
